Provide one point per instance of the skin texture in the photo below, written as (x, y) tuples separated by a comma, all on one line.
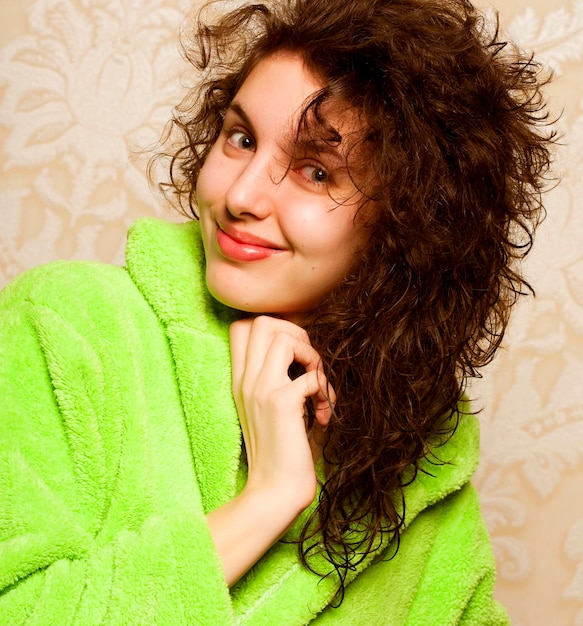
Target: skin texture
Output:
[(278, 227), (281, 479), (276, 242)]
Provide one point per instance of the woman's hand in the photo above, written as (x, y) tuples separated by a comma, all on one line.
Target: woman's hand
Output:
[(272, 407), (280, 454)]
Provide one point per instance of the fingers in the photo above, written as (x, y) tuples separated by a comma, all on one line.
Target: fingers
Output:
[(253, 339), (263, 348), (281, 446), (314, 384)]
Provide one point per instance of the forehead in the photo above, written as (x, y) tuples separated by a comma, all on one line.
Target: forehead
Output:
[(276, 91), (280, 88), (281, 72)]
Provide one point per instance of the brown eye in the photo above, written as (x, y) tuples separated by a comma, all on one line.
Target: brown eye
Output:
[(319, 175), (315, 174)]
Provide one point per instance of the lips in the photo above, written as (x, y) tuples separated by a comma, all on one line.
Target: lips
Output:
[(239, 246)]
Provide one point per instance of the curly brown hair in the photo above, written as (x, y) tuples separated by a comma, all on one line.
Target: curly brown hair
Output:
[(458, 144)]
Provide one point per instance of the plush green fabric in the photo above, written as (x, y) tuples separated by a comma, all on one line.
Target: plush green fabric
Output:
[(118, 433)]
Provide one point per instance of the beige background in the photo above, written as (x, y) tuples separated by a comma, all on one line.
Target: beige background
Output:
[(87, 85)]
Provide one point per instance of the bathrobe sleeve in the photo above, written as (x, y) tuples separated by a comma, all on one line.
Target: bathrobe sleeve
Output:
[(100, 510)]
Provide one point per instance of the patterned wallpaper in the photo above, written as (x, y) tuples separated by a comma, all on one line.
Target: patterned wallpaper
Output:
[(86, 87)]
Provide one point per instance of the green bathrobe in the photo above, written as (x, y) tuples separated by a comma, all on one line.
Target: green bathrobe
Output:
[(118, 433)]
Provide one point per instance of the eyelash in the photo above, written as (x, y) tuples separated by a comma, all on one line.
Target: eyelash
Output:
[(244, 135), (316, 168), (237, 130)]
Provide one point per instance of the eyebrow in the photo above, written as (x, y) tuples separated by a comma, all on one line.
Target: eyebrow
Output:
[(304, 142), (321, 147), (238, 110)]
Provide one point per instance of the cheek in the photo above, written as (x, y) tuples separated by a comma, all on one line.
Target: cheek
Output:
[(316, 228), (203, 189), (208, 183), (335, 238)]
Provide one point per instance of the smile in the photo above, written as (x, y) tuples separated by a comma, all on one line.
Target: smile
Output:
[(244, 247)]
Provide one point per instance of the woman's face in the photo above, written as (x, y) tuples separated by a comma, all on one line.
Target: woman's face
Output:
[(278, 218)]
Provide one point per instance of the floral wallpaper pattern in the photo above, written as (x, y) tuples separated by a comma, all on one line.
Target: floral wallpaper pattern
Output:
[(86, 87)]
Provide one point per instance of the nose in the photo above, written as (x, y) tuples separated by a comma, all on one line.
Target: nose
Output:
[(252, 191)]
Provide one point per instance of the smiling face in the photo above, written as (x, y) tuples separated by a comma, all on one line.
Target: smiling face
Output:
[(278, 219)]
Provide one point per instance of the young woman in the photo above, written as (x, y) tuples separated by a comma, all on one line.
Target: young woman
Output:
[(364, 178)]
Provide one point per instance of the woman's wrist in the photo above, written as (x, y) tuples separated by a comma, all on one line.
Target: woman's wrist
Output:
[(244, 528)]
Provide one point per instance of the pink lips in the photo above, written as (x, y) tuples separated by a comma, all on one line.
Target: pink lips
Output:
[(244, 247)]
